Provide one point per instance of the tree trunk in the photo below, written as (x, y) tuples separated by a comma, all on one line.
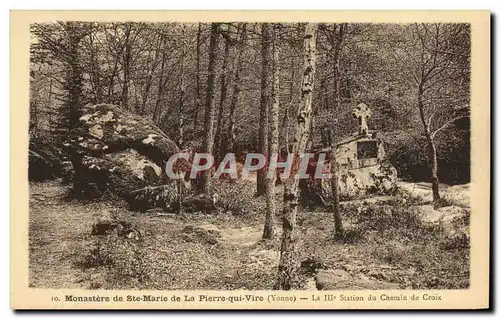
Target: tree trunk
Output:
[(111, 86), (213, 70), (95, 69), (182, 89), (434, 178), (51, 84), (265, 101), (74, 80), (230, 133), (126, 67), (431, 147), (287, 263), (332, 140), (161, 80), (286, 116), (198, 88), (33, 112), (312, 129), (336, 64), (286, 130), (223, 95), (273, 140), (334, 184), (149, 82)]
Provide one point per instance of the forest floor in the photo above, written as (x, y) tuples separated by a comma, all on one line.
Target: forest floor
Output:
[(225, 250)]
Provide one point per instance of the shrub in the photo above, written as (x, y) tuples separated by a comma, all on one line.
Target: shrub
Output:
[(123, 261), (238, 198)]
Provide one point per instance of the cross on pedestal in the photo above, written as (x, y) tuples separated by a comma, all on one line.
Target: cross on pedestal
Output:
[(362, 112)]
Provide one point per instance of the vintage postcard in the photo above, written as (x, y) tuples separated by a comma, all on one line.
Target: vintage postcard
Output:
[(250, 159)]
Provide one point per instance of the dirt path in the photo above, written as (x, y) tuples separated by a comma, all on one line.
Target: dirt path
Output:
[(57, 236)]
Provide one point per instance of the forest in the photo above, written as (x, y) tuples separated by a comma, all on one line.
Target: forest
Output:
[(241, 87)]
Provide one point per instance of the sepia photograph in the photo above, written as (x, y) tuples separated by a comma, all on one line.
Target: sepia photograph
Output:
[(233, 155)]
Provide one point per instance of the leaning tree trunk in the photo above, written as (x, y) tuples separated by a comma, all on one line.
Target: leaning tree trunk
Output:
[(273, 141), (287, 263), (265, 101), (208, 142)]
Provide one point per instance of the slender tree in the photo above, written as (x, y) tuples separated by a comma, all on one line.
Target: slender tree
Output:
[(334, 184), (286, 268), (224, 79), (182, 90), (198, 75), (285, 126), (436, 65), (265, 101), (127, 56), (230, 133), (339, 38), (213, 73), (273, 136), (74, 75), (161, 79)]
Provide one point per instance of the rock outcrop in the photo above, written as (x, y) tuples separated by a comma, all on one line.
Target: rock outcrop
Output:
[(458, 195), (337, 279), (115, 151), (452, 221)]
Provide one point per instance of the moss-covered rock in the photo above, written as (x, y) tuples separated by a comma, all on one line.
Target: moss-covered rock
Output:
[(115, 151)]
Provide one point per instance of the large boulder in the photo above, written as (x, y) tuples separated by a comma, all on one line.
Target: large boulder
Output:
[(119, 173), (115, 151)]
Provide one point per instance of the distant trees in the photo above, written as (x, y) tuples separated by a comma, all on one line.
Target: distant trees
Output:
[(141, 66), (138, 65), (59, 45)]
